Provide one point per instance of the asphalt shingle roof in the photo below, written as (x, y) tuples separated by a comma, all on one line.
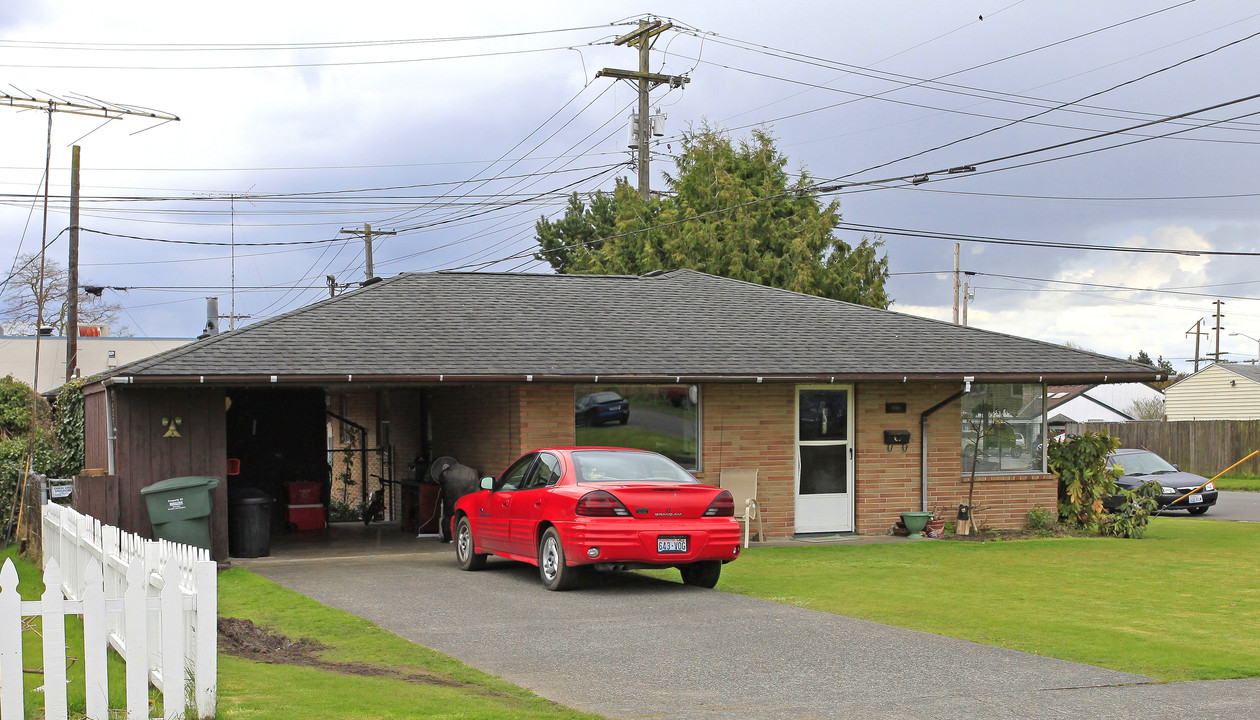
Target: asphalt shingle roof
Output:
[(679, 323)]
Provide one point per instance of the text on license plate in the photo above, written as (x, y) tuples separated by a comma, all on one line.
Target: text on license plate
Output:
[(675, 544), (1195, 498)]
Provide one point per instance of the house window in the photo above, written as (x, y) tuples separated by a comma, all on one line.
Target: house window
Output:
[(1002, 428), (660, 418)]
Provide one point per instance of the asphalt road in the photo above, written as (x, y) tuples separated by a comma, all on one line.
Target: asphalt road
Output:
[(636, 647), (1236, 506)]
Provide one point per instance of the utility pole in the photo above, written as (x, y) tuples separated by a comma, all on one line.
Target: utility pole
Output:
[(967, 296), (1216, 356), (642, 39), (72, 271), (1197, 334), (956, 250), (367, 232)]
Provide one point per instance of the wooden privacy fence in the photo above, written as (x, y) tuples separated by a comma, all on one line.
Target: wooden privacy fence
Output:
[(1203, 447), (154, 602)]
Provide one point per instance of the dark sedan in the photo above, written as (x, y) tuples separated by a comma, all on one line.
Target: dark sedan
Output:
[(1143, 466), (601, 407)]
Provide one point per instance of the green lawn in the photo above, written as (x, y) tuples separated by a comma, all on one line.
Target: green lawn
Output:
[(1239, 483), (381, 675), (1181, 604)]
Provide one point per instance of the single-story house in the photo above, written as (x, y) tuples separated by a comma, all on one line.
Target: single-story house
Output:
[(852, 415), (1096, 403), (1220, 391)]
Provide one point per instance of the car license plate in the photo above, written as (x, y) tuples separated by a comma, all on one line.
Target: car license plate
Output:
[(1195, 498), (674, 544)]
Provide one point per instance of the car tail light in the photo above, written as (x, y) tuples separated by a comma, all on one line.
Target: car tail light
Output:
[(601, 503), (722, 506)]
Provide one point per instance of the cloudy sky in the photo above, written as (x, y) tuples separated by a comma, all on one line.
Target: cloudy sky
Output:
[(1123, 125)]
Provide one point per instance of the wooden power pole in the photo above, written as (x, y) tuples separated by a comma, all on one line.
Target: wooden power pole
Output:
[(642, 39), (367, 232)]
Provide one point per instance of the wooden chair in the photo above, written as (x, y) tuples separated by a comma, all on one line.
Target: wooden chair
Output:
[(742, 485)]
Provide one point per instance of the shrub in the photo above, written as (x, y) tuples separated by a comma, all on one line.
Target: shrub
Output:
[(1085, 481), (1131, 518), (1042, 521)]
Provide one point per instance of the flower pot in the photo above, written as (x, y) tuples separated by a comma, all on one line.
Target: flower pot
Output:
[(935, 528), (915, 521)]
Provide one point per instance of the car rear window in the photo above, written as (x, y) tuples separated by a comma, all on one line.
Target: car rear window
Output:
[(605, 397), (596, 466)]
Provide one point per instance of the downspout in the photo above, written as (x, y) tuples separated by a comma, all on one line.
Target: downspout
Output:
[(923, 447)]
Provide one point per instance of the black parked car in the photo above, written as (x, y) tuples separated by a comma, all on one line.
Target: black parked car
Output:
[(1143, 466), (601, 407)]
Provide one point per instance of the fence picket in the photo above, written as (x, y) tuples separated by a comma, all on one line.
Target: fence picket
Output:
[(172, 643), (53, 619), (206, 660), (95, 643), (11, 699), (135, 642)]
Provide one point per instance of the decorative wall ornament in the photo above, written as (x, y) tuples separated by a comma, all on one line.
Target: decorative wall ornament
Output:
[(172, 426)]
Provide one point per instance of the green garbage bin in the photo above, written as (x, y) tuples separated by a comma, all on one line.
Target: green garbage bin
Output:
[(179, 509)]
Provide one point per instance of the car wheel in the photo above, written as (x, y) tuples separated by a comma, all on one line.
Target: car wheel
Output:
[(624, 419), (466, 548), (1197, 511), (551, 567), (702, 574)]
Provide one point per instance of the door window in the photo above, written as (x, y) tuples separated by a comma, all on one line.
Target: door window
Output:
[(545, 474), (512, 478)]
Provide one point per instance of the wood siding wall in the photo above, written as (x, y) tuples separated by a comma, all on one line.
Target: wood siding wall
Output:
[(95, 431), (1203, 447), (144, 456), (1209, 395)]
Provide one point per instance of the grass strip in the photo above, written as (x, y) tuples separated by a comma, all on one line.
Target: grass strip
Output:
[(1239, 483)]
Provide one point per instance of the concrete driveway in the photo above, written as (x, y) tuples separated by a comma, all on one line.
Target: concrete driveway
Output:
[(635, 647), (1235, 506)]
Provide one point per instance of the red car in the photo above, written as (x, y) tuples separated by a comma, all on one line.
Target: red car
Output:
[(569, 509)]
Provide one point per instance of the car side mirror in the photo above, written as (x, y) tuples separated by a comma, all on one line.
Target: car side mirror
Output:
[(487, 483), (1176, 467)]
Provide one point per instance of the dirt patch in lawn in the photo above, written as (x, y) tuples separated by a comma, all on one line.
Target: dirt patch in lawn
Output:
[(244, 639)]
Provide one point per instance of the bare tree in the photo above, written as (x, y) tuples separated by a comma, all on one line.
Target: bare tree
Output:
[(23, 300), (1147, 409)]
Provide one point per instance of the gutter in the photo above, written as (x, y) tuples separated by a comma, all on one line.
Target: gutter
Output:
[(923, 445), (434, 379)]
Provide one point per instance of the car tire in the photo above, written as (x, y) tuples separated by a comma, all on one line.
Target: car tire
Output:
[(1197, 511), (701, 574), (555, 574), (625, 419), (466, 548)]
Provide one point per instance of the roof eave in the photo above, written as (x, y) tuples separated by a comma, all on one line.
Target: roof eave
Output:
[(431, 379)]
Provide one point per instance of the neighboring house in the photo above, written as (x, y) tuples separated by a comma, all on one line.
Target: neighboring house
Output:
[(833, 403), (97, 354), (1225, 391), (1095, 403)]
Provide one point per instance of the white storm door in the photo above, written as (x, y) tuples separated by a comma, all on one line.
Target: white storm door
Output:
[(824, 459)]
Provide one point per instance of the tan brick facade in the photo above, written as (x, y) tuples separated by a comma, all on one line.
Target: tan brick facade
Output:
[(744, 425)]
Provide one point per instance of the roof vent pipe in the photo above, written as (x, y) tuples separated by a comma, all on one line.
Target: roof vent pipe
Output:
[(212, 319)]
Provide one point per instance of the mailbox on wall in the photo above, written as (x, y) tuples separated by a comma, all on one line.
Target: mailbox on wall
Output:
[(896, 437)]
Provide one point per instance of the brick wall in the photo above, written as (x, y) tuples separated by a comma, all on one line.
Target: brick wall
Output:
[(748, 426)]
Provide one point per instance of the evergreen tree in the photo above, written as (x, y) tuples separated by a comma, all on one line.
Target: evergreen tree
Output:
[(729, 209)]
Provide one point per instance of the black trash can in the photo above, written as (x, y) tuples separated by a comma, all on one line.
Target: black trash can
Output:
[(249, 523)]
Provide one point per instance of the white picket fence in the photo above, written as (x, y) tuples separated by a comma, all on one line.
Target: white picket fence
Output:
[(154, 602)]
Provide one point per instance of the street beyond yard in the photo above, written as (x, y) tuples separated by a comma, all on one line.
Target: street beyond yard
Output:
[(1181, 604)]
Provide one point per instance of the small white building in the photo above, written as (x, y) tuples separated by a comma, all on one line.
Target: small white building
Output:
[(1095, 403), (1224, 391), (95, 355)]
